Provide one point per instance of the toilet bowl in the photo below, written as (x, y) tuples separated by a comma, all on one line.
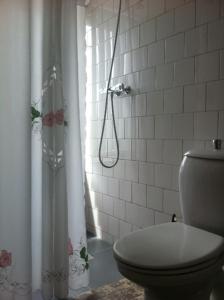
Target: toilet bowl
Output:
[(177, 261), (171, 261)]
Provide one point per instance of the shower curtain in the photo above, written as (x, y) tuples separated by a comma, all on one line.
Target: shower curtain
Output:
[(43, 252)]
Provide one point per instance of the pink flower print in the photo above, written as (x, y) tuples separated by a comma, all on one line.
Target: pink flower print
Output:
[(5, 259), (48, 119), (70, 247), (59, 117)]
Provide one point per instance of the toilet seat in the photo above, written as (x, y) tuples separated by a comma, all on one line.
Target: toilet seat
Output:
[(173, 272), (169, 249)]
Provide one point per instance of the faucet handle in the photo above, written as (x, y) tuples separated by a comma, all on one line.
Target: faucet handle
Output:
[(127, 90), (217, 144)]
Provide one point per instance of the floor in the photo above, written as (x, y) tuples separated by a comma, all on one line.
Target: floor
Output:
[(103, 268)]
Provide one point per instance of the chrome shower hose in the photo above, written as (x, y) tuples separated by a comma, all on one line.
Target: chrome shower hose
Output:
[(112, 102)]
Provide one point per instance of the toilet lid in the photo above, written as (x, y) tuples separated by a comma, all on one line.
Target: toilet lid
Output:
[(168, 246)]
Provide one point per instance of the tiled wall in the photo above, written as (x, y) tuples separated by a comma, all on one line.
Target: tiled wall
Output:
[(171, 52)]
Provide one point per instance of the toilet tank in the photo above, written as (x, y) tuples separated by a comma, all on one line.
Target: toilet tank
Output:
[(201, 183)]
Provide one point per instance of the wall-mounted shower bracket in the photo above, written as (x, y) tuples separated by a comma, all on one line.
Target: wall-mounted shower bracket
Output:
[(120, 89)]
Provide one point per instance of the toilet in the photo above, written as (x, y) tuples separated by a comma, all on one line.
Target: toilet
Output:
[(183, 261)]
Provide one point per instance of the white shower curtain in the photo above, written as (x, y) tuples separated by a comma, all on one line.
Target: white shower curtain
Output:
[(42, 223)]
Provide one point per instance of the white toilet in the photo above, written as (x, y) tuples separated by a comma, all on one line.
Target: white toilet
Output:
[(176, 261)]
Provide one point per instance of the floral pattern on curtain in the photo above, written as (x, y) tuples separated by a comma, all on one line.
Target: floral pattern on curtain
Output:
[(7, 284), (50, 125)]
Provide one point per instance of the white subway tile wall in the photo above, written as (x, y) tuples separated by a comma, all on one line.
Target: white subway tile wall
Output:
[(171, 52)]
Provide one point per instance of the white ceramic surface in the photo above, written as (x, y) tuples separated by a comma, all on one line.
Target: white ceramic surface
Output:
[(168, 246)]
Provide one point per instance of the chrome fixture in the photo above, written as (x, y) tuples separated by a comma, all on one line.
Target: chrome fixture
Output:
[(120, 89)]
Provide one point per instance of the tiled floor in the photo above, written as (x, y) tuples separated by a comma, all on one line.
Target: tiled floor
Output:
[(103, 269)]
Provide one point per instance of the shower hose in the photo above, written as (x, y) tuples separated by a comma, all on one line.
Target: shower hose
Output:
[(112, 102)]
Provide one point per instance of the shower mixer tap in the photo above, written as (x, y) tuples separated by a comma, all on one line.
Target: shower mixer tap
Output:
[(120, 89)]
